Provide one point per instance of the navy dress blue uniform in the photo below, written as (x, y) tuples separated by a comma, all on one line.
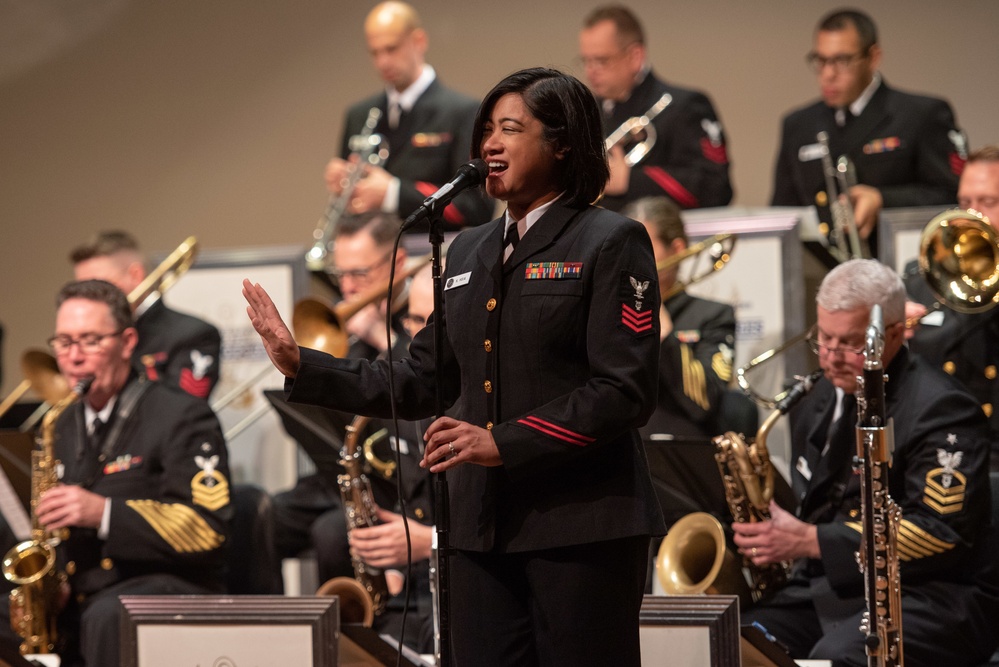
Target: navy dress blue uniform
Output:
[(905, 145), (430, 142), (555, 352), (689, 161), (965, 345), (939, 478), (162, 462), (178, 349)]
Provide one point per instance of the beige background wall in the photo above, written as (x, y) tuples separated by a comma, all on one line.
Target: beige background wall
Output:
[(215, 118)]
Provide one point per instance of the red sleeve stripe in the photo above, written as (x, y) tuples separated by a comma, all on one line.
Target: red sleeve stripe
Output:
[(555, 431), (680, 194), (451, 213)]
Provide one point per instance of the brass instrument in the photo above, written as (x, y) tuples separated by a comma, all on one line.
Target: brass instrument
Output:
[(839, 179), (41, 373), (880, 515), (959, 258), (167, 273), (634, 128), (319, 325), (365, 595), (719, 248), (31, 564), (367, 148)]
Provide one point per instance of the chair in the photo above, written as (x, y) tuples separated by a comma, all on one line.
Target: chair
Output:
[(253, 565)]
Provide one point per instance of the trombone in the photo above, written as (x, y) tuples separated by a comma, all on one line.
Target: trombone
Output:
[(959, 259), (635, 127), (167, 273), (41, 373), (718, 247)]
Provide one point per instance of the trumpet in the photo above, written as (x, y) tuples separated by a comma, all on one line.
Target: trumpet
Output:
[(719, 248), (839, 179), (366, 148), (634, 128)]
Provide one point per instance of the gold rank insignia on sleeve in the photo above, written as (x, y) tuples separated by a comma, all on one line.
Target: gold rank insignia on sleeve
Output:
[(945, 486), (721, 362), (180, 526), (694, 382), (209, 487), (914, 542)]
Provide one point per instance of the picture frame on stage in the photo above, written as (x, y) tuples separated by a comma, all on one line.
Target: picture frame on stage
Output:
[(229, 631), (690, 630)]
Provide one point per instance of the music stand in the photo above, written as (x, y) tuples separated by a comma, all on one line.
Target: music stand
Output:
[(317, 430)]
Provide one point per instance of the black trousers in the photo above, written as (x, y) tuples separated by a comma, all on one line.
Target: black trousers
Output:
[(576, 605)]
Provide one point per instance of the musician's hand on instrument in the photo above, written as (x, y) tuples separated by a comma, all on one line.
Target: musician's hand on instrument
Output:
[(369, 193), (783, 537), (867, 204), (451, 442), (368, 324), (384, 545), (337, 174), (620, 172), (278, 341), (913, 313), (66, 506)]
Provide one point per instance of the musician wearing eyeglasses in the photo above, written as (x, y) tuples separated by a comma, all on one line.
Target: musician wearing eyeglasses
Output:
[(144, 490), (938, 477), (427, 127), (177, 348), (689, 160), (904, 149)]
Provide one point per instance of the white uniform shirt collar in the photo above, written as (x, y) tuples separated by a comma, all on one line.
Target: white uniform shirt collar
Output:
[(89, 414), (860, 103), (407, 98)]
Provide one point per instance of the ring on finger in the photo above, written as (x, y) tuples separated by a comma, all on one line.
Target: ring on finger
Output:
[(753, 552), (450, 446)]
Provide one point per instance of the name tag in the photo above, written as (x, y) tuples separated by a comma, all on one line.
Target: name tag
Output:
[(457, 281), (934, 319), (810, 152)]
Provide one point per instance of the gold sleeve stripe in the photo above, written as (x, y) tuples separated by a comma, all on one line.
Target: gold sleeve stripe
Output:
[(914, 549), (693, 377), (910, 528), (179, 525), (721, 367), (856, 525)]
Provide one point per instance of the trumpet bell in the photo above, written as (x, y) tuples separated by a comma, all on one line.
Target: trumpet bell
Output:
[(959, 258)]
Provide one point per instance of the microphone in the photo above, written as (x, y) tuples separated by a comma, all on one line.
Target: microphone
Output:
[(468, 175)]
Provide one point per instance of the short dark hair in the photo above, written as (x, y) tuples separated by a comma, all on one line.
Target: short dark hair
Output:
[(660, 212), (988, 153), (383, 227), (841, 19), (104, 244), (100, 291), (629, 29), (571, 120)]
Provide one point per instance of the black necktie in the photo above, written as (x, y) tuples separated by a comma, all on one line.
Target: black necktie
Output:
[(97, 431), (512, 237)]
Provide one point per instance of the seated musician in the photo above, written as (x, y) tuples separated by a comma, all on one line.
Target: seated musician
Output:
[(965, 345), (939, 479), (310, 514), (177, 348), (145, 490)]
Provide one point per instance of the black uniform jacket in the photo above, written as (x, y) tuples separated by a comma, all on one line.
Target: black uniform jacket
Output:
[(431, 141), (555, 352), (965, 345), (939, 478), (178, 349), (163, 464), (907, 146), (689, 161), (695, 367)]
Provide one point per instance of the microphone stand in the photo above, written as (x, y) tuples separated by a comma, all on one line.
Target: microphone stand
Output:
[(442, 506)]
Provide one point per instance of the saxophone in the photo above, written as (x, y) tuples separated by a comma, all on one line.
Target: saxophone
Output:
[(31, 564), (748, 479), (366, 595), (881, 516)]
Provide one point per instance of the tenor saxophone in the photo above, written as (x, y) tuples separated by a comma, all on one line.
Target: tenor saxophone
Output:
[(31, 564), (366, 594), (881, 516)]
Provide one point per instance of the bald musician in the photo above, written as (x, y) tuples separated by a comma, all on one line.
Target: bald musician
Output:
[(428, 127)]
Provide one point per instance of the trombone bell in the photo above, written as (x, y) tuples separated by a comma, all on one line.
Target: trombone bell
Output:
[(959, 259)]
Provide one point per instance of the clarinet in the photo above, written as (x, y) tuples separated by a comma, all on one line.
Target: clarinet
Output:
[(878, 555)]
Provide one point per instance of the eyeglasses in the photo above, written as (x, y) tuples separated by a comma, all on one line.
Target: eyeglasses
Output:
[(90, 343), (839, 64), (818, 346), (359, 275)]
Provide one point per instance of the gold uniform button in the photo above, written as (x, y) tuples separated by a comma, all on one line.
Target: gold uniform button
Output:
[(987, 409), (489, 426), (488, 344), (488, 386), (71, 568), (491, 305), (821, 198), (854, 513), (419, 513), (990, 372), (949, 367), (106, 563)]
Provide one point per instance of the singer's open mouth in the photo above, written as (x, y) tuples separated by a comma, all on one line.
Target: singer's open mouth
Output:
[(496, 167)]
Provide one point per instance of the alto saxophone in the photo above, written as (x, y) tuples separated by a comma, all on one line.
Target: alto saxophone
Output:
[(881, 516), (748, 479), (31, 564), (366, 595)]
